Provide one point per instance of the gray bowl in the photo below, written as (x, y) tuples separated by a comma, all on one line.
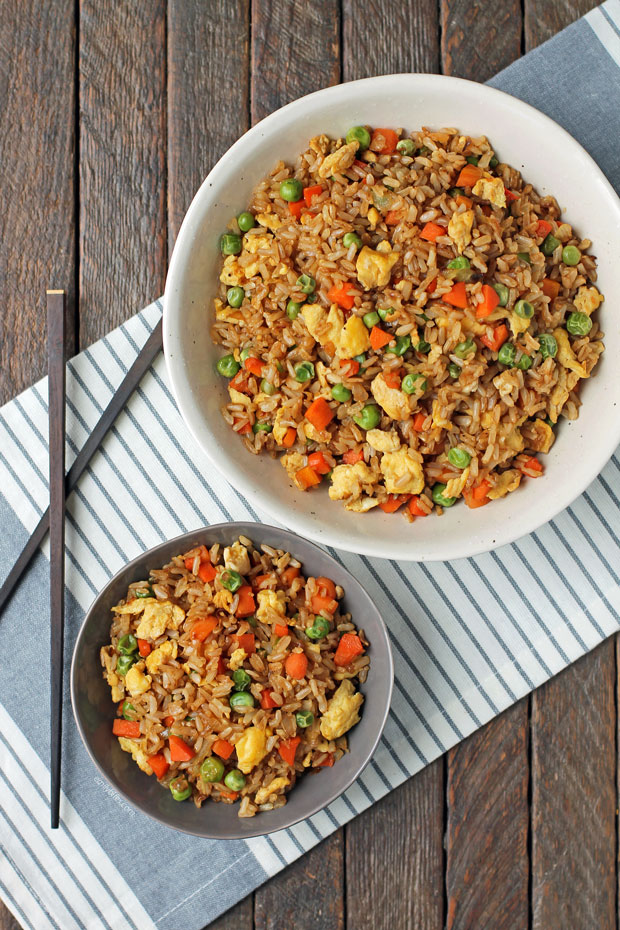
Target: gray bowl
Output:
[(94, 710)]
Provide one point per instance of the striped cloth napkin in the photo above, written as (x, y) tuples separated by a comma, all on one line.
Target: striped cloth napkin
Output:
[(557, 594)]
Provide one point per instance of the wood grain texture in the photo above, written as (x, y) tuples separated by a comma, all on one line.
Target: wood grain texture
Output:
[(574, 796), (486, 839), (37, 47), (295, 50), (404, 37), (479, 39), (542, 20), (7, 921), (397, 846), (240, 917), (208, 93), (123, 253)]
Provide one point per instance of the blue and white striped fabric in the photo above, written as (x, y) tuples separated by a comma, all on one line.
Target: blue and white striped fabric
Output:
[(470, 637)]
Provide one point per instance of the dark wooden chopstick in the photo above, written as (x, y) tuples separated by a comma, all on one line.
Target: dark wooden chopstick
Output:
[(143, 362), (56, 351)]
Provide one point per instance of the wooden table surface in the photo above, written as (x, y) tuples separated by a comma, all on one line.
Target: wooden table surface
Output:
[(111, 115)]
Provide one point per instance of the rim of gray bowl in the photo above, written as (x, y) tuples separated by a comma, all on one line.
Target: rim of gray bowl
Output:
[(220, 821)]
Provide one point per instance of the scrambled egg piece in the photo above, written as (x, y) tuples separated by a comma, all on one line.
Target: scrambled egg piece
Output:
[(354, 338), (506, 482), (161, 655), (270, 220), (467, 325), (252, 243), (348, 480), (136, 681), (316, 435), (135, 606), (342, 711), (159, 616), (237, 659), (566, 356), (439, 420), (396, 465), (373, 217), (223, 599), (263, 794), (375, 267), (136, 748), (539, 435), (271, 606), (518, 324), (323, 326), (227, 314), (363, 505), (251, 748), (293, 462), (115, 683), (459, 228), (394, 401), (514, 440), (454, 487), (383, 440), (339, 160), (231, 273), (236, 397), (491, 189), (279, 431), (588, 299), (237, 559), (319, 144), (506, 383)]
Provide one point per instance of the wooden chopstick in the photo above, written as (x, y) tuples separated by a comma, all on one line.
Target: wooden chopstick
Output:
[(143, 362), (56, 351)]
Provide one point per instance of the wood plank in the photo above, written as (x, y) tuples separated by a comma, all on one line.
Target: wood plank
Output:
[(123, 252), (486, 840), (479, 39), (574, 796), (7, 921), (397, 846), (240, 917), (404, 37), (541, 21), (37, 48)]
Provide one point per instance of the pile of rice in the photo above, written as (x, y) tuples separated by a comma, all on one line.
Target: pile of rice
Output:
[(180, 687), (499, 415)]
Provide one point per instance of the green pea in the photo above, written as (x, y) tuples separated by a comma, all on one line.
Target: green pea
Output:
[(291, 190), (472, 159), (463, 349), (405, 147), (234, 780), (124, 663), (548, 345), (462, 267), (245, 353), (524, 362), (455, 192), (127, 644), (524, 256), (579, 324), (423, 347), (502, 292), (494, 162), (262, 427), (459, 457), (371, 319), (403, 343), (228, 366), (246, 221), (369, 417), (414, 383), (304, 718), (460, 262), (267, 387), (360, 359), (524, 309), (147, 593), (292, 309), (178, 792), (231, 579), (571, 255), (360, 135), (507, 354), (127, 710), (304, 372), (306, 283), (549, 421), (241, 679), (438, 495), (319, 629), (341, 393), (211, 769), (454, 370), (351, 238), (240, 700), (235, 296), (385, 312), (230, 244), (549, 245)]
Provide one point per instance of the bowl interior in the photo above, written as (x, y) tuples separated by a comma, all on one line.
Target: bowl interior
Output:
[(516, 131), (94, 710)]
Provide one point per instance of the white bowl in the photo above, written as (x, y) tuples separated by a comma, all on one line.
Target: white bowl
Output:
[(523, 137)]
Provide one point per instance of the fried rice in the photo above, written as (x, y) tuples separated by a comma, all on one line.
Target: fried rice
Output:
[(406, 317), (234, 674)]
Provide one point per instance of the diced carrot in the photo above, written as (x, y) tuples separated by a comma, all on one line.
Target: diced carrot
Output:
[(350, 367), (246, 428), (379, 338), (384, 141), (339, 294), (246, 605), (543, 228), (457, 296), (289, 437), (432, 231), (169, 720), (477, 497), (203, 627), (319, 413), (318, 462), (206, 572), (221, 666), (307, 477), (231, 795), (309, 192), (240, 381), (280, 629), (496, 341), (326, 586), (322, 602), (392, 217), (352, 456), (550, 288), (468, 176), (327, 762), (392, 379), (288, 747), (130, 729), (296, 665), (222, 748), (466, 202), (510, 196), (490, 300), (296, 208), (246, 642), (289, 574), (350, 645), (189, 563), (418, 422), (394, 502), (144, 648), (432, 287), (180, 751), (532, 464), (158, 764), (259, 579), (254, 365), (414, 507), (266, 700)]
